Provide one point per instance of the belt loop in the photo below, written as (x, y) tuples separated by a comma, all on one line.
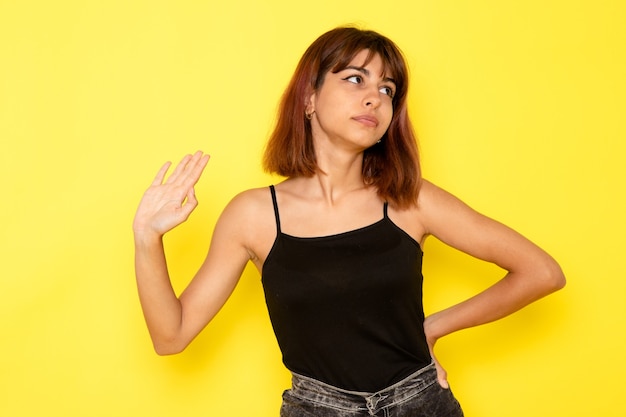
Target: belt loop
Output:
[(372, 402)]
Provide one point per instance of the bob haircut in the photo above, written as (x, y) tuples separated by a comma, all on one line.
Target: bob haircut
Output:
[(392, 165)]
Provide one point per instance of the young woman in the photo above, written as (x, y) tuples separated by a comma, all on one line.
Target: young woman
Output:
[(338, 243)]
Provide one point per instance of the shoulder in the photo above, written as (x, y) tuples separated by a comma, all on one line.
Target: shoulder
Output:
[(248, 205), (455, 223), (436, 212), (458, 225), (253, 196), (442, 212), (412, 219), (248, 221), (432, 194), (434, 200)]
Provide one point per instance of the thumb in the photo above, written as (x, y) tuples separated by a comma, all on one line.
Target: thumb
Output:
[(442, 375), (190, 204), (443, 381)]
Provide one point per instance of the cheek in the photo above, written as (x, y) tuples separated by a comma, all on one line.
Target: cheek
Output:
[(388, 116)]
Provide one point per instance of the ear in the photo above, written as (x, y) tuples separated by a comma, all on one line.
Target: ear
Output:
[(309, 102)]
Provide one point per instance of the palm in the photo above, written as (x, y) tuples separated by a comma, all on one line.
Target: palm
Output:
[(167, 204)]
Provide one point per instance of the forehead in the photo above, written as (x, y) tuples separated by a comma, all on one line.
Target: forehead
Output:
[(362, 59)]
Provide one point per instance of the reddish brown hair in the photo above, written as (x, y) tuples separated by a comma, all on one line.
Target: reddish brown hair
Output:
[(392, 165)]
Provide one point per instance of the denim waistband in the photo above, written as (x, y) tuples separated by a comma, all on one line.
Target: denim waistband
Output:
[(319, 392)]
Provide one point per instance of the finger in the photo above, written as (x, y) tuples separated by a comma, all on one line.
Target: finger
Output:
[(199, 166), (189, 170), (158, 179), (180, 168), (442, 375), (442, 378), (195, 168), (190, 204)]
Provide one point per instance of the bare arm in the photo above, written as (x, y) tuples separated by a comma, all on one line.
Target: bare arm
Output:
[(531, 272), (172, 321)]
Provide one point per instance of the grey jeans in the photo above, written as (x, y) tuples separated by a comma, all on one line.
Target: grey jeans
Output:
[(418, 395)]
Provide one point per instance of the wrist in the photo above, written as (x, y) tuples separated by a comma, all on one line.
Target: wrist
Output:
[(146, 237), (431, 329)]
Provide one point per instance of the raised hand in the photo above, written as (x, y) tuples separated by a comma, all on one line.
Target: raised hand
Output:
[(166, 204)]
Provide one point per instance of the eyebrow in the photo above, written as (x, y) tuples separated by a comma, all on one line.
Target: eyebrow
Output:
[(366, 72)]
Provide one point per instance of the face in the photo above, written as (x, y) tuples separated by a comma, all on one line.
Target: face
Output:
[(353, 107)]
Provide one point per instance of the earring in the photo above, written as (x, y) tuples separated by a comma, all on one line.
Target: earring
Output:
[(309, 116)]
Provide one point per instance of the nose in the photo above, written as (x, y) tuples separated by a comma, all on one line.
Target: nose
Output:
[(372, 98)]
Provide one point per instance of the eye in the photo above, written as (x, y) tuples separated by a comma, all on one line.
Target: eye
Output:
[(355, 79), (388, 91)]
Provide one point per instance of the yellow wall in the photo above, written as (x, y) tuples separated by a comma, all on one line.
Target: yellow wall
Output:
[(520, 110)]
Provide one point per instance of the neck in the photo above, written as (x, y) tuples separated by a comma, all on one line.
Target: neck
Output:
[(340, 173)]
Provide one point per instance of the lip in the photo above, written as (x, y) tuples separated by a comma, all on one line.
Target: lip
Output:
[(367, 120)]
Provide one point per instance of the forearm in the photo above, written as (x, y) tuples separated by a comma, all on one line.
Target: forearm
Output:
[(161, 308), (513, 292)]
